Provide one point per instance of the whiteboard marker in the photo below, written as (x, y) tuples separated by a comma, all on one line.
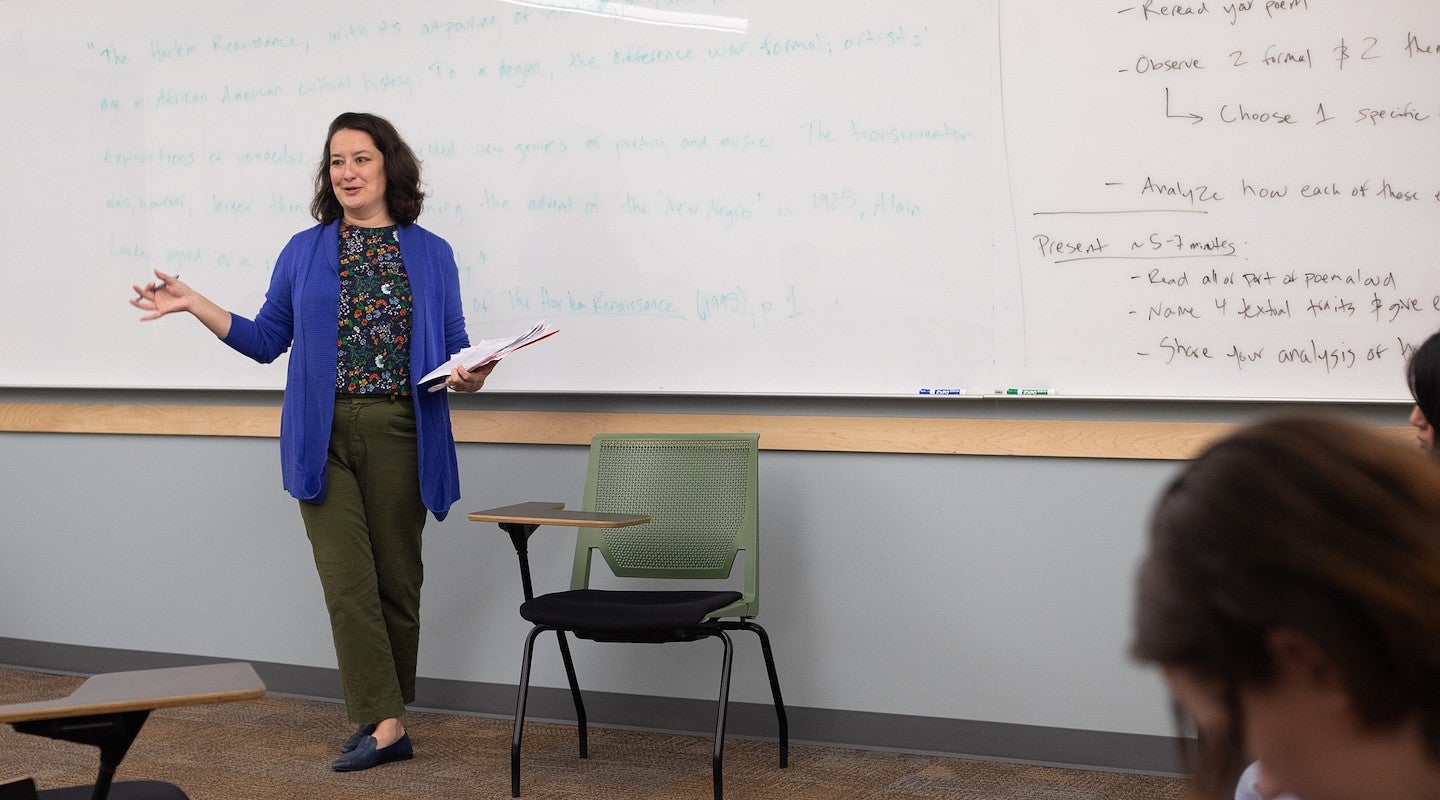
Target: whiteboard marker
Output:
[(157, 286), (1027, 392), (941, 392)]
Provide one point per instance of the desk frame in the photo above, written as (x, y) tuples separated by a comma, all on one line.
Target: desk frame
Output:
[(108, 710), (520, 521)]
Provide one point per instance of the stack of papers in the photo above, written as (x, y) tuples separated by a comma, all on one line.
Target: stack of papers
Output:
[(483, 352)]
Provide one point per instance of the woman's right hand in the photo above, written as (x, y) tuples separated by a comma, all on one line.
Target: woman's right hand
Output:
[(165, 296), (169, 294)]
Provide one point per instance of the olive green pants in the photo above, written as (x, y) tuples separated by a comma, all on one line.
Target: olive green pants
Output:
[(366, 536)]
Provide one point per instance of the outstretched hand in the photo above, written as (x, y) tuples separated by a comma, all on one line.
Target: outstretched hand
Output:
[(168, 295), (164, 296)]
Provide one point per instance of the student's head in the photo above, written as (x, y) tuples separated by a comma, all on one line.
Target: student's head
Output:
[(1291, 596), (403, 196), (1423, 374)]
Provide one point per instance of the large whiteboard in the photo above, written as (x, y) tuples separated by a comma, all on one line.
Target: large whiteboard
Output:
[(720, 196)]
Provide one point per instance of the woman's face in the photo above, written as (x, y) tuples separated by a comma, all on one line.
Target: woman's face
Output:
[(1307, 738), (357, 176), (1423, 431)]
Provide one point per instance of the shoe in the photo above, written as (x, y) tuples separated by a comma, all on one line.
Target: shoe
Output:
[(354, 740), (367, 755)]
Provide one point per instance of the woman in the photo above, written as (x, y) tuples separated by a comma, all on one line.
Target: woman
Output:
[(1291, 596), (370, 302), (1422, 372)]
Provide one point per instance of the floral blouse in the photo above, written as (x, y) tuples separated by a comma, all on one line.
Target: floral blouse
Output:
[(375, 309)]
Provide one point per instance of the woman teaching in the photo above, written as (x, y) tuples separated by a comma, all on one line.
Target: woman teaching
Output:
[(1291, 597), (369, 302)]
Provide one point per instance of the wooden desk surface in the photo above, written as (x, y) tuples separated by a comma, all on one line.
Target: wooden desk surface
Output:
[(146, 689), (538, 512)]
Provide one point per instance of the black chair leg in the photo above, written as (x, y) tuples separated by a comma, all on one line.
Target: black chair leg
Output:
[(718, 757), (524, 690), (784, 724), (574, 693)]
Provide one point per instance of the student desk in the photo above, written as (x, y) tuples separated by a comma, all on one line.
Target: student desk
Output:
[(521, 520), (108, 710)]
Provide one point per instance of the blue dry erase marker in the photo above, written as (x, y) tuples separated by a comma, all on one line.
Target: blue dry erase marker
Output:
[(1027, 392), (941, 392)]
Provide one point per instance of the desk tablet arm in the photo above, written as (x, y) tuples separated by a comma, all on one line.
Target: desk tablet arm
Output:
[(108, 710), (522, 519)]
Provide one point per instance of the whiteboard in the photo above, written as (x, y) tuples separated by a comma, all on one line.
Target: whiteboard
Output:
[(785, 197), (1232, 199)]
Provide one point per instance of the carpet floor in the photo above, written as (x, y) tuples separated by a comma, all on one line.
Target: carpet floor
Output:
[(280, 747)]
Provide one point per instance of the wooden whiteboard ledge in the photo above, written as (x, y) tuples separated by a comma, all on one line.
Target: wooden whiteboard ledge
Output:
[(991, 437)]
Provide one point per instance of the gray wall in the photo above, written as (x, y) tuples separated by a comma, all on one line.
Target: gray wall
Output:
[(962, 588)]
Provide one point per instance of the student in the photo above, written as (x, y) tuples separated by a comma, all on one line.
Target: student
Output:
[(1422, 372), (1256, 785), (1291, 596), (370, 302)]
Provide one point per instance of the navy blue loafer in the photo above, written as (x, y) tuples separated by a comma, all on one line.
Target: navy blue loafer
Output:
[(367, 755), (354, 740)]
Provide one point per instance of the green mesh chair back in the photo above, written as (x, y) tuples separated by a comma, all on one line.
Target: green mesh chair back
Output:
[(702, 494)]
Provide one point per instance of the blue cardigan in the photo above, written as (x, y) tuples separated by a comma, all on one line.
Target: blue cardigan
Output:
[(303, 306)]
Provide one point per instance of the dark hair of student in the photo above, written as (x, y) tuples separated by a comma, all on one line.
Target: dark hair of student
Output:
[(1313, 526), (1422, 372), (403, 196)]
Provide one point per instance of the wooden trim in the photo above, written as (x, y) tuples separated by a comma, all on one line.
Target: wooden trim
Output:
[(263, 421), (993, 437), (860, 434)]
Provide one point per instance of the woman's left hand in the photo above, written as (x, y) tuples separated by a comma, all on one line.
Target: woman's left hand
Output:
[(463, 380)]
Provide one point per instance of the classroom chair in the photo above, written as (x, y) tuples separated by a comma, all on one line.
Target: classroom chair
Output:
[(701, 492), (108, 710)]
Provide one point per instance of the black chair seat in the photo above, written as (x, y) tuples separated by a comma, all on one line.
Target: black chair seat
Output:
[(123, 790), (610, 611)]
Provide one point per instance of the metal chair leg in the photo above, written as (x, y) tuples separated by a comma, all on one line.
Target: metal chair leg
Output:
[(574, 694), (524, 690), (780, 718), (717, 758)]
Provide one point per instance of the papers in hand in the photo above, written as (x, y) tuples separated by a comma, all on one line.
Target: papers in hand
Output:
[(483, 352)]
